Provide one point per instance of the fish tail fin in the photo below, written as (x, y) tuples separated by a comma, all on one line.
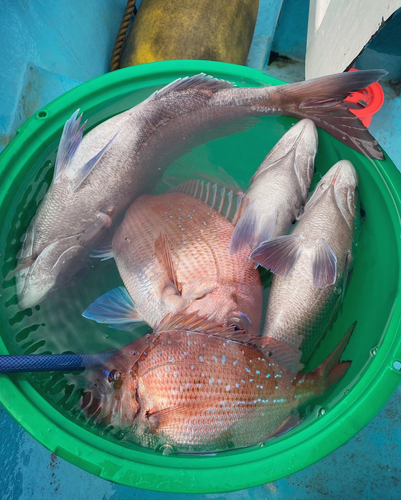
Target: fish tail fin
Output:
[(332, 370), (326, 374), (322, 100)]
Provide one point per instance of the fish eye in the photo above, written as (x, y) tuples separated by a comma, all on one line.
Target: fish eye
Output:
[(235, 327), (240, 322), (114, 375)]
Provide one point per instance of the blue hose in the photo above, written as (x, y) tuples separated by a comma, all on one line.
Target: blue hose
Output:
[(52, 362)]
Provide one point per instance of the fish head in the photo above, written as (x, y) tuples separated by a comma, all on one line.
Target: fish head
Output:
[(54, 266), (112, 396), (300, 143), (297, 148), (341, 181), (238, 309)]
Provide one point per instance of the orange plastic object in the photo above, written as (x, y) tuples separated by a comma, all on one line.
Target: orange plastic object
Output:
[(372, 98)]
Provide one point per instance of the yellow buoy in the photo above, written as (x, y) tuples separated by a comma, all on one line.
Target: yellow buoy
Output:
[(217, 30)]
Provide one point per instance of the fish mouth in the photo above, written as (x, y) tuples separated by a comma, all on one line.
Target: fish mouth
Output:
[(38, 277), (30, 293), (335, 176), (345, 171)]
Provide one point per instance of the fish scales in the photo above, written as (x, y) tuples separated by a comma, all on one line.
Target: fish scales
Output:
[(207, 276), (96, 179), (298, 312), (196, 392), (279, 188)]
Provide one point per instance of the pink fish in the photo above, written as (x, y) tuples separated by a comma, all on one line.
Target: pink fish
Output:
[(172, 252), (182, 390)]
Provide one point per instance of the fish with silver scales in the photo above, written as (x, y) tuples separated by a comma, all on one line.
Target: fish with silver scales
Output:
[(128, 152), (313, 263)]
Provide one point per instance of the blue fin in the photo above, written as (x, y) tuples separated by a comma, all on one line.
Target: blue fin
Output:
[(78, 176), (115, 308), (278, 254), (324, 265), (255, 225), (70, 140), (196, 82)]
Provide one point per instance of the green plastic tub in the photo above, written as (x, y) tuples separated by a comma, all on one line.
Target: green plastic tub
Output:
[(46, 405)]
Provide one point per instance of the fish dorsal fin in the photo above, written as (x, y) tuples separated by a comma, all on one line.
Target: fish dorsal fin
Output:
[(78, 175), (347, 270), (163, 252), (70, 140), (219, 198), (221, 179), (192, 322), (197, 82)]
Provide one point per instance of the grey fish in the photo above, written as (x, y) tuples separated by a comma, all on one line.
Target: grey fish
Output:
[(97, 176), (311, 265), (279, 188)]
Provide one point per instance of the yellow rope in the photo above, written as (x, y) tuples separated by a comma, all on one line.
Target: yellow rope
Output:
[(122, 33)]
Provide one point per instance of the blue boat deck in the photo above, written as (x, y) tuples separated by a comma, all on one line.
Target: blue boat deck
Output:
[(66, 43)]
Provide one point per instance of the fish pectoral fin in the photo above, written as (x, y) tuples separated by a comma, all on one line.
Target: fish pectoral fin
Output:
[(279, 254), (280, 352), (115, 308), (103, 221), (103, 251), (253, 227), (324, 265), (163, 419), (163, 254)]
